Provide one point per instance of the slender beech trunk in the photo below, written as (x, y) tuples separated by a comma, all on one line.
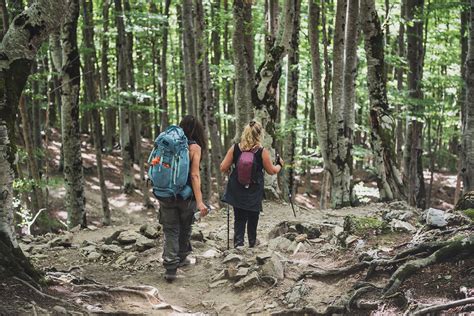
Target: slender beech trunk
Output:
[(37, 197), (350, 72), (467, 169), (292, 103), (264, 93), (91, 97), (110, 119), (206, 104), (124, 107), (413, 170), (70, 82), (5, 18), (321, 114), (339, 151), (164, 69), (389, 180), (464, 48), (399, 74), (242, 42), (189, 57)]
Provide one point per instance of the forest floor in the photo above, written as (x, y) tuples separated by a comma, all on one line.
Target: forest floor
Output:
[(117, 270)]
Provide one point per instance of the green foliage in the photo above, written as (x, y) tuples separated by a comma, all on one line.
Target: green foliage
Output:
[(362, 225), (469, 213)]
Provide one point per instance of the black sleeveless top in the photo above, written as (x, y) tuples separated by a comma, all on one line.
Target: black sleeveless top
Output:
[(236, 194)]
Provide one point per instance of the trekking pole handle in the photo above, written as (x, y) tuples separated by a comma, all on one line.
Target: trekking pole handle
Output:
[(278, 160)]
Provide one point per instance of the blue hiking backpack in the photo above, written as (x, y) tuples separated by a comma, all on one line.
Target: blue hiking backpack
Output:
[(169, 164)]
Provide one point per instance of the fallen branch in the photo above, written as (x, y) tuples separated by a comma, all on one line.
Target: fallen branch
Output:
[(441, 307)]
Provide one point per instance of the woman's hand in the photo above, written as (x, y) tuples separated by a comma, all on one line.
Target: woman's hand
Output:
[(202, 209)]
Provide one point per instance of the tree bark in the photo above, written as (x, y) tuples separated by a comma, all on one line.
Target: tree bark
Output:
[(399, 74), (413, 146), (5, 18), (320, 110), (37, 197), (206, 104), (91, 97), (70, 82), (17, 51), (467, 169), (264, 93), (389, 180), (189, 57), (110, 120), (164, 69), (292, 104), (124, 110), (242, 42)]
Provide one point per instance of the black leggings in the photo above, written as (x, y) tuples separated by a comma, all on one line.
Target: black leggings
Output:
[(241, 219)]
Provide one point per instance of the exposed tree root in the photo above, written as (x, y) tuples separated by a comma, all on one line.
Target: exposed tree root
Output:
[(40, 293), (335, 272), (457, 248), (14, 262), (441, 307)]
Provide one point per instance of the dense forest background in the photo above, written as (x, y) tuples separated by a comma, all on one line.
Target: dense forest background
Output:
[(348, 91)]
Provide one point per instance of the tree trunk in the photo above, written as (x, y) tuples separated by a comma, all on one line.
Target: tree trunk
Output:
[(70, 82), (124, 111), (164, 69), (399, 75), (91, 97), (467, 169), (5, 18), (205, 103), (37, 197), (292, 104), (321, 115), (413, 145), (110, 120), (242, 42), (338, 146), (350, 72), (18, 49), (389, 180), (264, 93), (189, 57)]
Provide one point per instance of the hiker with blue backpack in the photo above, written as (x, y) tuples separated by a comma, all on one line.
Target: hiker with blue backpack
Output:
[(174, 172), (245, 188)]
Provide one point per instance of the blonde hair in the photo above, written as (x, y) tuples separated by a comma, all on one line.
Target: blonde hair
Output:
[(251, 136)]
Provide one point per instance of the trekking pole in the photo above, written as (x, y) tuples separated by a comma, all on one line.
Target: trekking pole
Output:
[(228, 227), (286, 185)]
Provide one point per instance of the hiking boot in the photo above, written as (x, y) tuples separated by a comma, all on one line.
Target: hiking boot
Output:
[(184, 262), (170, 275), (254, 243)]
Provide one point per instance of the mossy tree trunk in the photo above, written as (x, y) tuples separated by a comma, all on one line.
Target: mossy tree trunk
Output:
[(467, 169), (265, 91), (70, 132), (382, 123), (18, 49)]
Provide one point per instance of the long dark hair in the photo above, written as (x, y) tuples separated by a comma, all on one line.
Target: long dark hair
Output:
[(193, 130)]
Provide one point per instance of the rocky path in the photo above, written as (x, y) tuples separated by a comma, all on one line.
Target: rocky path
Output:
[(118, 268)]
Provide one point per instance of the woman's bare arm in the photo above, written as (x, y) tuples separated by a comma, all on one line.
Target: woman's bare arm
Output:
[(268, 164), (227, 162), (195, 156)]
